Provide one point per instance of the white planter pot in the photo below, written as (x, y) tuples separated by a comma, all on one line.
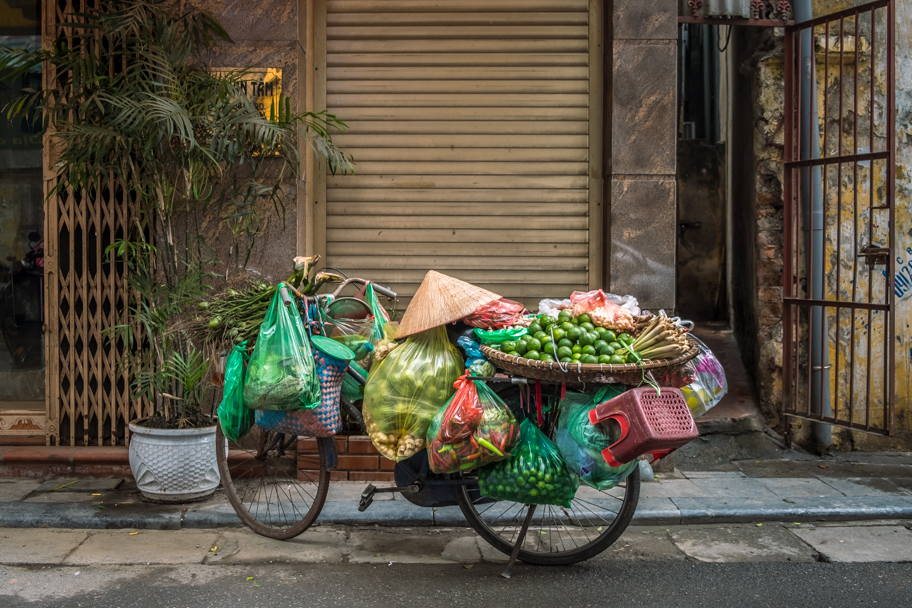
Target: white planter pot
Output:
[(174, 465)]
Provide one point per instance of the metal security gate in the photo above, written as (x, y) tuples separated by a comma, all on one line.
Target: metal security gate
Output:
[(838, 292), (88, 396)]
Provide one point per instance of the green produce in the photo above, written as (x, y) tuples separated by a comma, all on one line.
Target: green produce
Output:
[(536, 474)]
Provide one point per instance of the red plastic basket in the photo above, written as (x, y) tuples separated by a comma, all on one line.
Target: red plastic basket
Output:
[(651, 423)]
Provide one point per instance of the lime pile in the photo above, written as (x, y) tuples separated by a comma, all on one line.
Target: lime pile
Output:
[(570, 339)]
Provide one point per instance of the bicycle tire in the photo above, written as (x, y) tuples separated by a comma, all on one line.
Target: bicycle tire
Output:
[(541, 535), (260, 477)]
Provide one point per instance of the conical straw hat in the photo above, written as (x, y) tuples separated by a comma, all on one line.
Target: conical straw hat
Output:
[(441, 299)]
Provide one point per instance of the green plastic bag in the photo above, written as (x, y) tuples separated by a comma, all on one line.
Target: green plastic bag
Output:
[(536, 474), (282, 375), (496, 336), (235, 417), (581, 443), (351, 388), (405, 391), (381, 317)]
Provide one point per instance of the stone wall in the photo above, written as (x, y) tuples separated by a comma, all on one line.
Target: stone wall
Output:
[(641, 164)]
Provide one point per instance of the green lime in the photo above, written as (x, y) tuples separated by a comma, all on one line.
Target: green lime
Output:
[(616, 345), (558, 334), (575, 321), (546, 358), (532, 354), (565, 342), (545, 321), (567, 326), (589, 350), (601, 331), (574, 334), (605, 359), (566, 360), (609, 336), (576, 356), (599, 345), (513, 353), (589, 359), (533, 344), (563, 351), (625, 338), (576, 348), (606, 350), (584, 318), (616, 360), (564, 316), (587, 339), (548, 346), (522, 346), (588, 326), (535, 327), (508, 346), (539, 335)]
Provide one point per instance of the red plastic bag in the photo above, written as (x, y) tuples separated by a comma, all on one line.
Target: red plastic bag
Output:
[(496, 315), (479, 429), (463, 414), (603, 312)]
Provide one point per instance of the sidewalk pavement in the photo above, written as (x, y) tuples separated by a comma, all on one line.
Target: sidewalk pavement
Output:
[(848, 488)]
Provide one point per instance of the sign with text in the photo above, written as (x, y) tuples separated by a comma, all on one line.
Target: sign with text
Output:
[(263, 87)]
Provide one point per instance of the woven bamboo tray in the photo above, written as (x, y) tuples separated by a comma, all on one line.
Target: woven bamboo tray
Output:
[(627, 373)]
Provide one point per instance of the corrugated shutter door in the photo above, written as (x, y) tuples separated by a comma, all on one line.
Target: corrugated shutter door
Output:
[(469, 124)]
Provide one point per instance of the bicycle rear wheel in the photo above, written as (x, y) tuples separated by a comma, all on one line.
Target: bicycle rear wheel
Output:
[(260, 474), (556, 536)]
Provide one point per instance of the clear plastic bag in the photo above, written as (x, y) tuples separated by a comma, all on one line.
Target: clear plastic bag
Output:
[(405, 391), (702, 381), (476, 362), (602, 311), (473, 429), (536, 473), (552, 308), (234, 416), (282, 375), (581, 443), (496, 315)]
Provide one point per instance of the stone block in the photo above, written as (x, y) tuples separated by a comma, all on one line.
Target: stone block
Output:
[(742, 544), (645, 20), (643, 217), (859, 544), (643, 134)]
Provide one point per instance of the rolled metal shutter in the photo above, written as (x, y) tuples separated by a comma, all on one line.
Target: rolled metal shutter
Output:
[(470, 126)]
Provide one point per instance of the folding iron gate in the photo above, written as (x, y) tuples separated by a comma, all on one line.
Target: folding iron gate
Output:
[(838, 312)]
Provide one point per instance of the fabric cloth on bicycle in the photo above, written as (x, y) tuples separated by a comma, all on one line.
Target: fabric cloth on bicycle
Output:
[(473, 429), (536, 474), (405, 391), (282, 375), (581, 443)]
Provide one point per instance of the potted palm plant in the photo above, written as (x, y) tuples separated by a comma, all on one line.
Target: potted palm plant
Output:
[(187, 145)]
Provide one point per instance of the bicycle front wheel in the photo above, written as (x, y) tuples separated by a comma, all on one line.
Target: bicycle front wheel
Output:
[(277, 492), (557, 536)]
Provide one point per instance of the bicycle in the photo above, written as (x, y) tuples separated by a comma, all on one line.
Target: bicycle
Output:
[(279, 493)]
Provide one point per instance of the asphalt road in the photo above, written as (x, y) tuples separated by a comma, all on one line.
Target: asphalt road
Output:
[(660, 584)]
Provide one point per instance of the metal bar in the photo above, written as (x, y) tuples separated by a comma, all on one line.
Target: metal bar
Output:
[(841, 423), (824, 343), (519, 541), (839, 14), (832, 160), (891, 194), (787, 216), (735, 21), (851, 364), (870, 332), (811, 67), (839, 213)]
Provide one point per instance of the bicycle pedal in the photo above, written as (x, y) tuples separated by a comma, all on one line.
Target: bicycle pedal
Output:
[(367, 497)]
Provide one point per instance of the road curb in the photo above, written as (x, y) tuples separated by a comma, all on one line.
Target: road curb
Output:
[(395, 514)]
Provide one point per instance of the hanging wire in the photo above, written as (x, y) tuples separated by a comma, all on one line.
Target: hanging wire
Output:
[(728, 37)]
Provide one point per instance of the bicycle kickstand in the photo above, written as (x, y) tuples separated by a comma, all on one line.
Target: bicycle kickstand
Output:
[(519, 541)]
